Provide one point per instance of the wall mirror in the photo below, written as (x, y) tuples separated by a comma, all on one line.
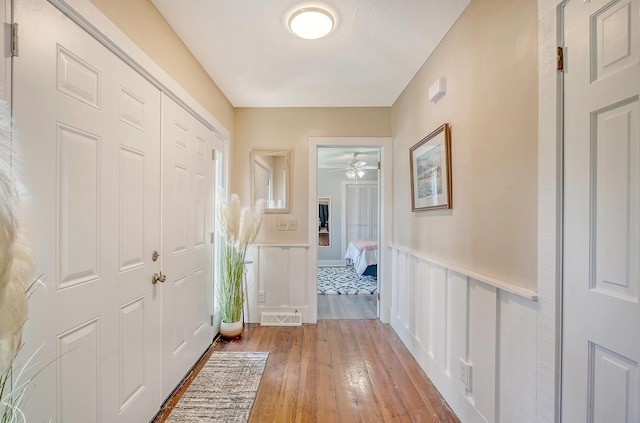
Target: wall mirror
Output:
[(324, 222), (270, 179)]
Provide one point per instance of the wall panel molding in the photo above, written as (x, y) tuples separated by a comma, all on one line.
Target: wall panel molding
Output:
[(445, 317), (279, 271)]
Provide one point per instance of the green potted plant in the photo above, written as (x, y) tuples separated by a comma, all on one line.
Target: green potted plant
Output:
[(238, 227)]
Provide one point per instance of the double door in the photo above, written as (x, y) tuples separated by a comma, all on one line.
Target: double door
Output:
[(108, 213)]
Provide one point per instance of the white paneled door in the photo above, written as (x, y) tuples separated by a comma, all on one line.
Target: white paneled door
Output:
[(360, 211), (88, 136), (187, 295), (601, 312)]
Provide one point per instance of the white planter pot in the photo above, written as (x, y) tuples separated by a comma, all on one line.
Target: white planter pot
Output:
[(231, 330)]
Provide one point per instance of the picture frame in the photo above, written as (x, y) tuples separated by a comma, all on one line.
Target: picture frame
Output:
[(430, 166)]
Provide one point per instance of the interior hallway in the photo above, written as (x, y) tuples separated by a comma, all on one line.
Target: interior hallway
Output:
[(337, 371)]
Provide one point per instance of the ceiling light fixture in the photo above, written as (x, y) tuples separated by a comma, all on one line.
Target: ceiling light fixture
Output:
[(352, 173), (311, 23)]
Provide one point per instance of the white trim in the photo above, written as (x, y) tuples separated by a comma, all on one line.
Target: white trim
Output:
[(496, 283), (385, 217), (549, 215), (282, 245)]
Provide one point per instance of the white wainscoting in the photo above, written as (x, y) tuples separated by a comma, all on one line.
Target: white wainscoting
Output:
[(444, 314), (280, 271)]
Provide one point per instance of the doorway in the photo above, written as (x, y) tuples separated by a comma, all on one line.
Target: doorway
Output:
[(348, 211), (354, 171)]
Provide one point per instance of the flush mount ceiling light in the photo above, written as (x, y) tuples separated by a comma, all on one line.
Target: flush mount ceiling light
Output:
[(311, 23)]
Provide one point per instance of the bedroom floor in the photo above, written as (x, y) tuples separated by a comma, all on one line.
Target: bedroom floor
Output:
[(343, 294), (345, 280), (347, 307)]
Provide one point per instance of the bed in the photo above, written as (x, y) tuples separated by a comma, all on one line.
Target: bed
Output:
[(363, 253)]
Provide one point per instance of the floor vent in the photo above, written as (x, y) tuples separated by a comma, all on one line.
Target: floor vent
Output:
[(281, 319)]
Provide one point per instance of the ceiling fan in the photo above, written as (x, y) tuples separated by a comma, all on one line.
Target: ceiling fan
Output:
[(353, 168)]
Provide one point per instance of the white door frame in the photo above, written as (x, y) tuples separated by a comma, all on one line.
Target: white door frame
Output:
[(384, 254), (550, 181)]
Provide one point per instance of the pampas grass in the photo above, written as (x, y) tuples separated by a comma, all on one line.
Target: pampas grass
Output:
[(239, 226), (16, 263), (16, 269)]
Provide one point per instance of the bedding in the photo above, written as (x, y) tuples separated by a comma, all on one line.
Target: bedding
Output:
[(362, 253)]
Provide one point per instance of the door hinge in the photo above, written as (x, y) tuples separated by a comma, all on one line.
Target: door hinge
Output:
[(15, 51), (211, 319), (560, 55), (213, 154), (379, 166), (213, 237)]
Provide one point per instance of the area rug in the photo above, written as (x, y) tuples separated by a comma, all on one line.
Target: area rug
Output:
[(223, 391), (346, 281)]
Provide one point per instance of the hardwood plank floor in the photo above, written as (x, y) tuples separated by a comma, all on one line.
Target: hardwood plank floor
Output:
[(336, 371), (347, 306)]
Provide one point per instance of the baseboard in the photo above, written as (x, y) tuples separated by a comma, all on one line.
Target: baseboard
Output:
[(331, 263)]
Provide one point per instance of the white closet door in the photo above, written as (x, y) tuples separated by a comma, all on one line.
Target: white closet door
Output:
[(360, 211), (88, 135), (601, 340), (186, 241)]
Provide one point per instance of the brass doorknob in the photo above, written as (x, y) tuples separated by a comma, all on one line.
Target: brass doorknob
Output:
[(158, 277)]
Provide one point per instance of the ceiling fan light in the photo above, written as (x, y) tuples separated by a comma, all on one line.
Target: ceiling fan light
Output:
[(311, 23), (351, 174), (360, 173)]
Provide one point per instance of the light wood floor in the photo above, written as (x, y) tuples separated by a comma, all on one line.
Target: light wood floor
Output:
[(337, 371), (347, 307)]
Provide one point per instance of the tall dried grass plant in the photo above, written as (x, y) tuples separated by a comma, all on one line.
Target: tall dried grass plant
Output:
[(16, 270), (238, 226)]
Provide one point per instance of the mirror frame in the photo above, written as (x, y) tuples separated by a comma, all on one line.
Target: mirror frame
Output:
[(328, 199), (287, 195)]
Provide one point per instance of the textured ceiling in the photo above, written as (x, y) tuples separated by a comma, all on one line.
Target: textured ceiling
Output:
[(377, 46)]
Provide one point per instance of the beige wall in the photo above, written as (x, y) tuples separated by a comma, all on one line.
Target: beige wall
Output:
[(489, 59), (290, 128), (145, 26)]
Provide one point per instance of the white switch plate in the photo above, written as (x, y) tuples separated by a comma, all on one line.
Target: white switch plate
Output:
[(287, 224), (261, 297)]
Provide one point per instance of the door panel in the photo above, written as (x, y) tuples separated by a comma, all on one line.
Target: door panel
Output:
[(601, 311), (187, 200), (88, 131), (360, 211)]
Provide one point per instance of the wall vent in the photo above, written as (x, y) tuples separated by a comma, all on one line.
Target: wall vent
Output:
[(281, 319)]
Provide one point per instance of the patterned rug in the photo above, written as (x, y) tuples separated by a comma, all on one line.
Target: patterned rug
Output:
[(345, 280), (223, 391)]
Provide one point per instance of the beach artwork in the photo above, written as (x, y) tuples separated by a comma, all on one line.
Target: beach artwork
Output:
[(430, 162), (429, 173)]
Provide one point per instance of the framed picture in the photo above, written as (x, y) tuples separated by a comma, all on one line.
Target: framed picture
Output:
[(430, 163)]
